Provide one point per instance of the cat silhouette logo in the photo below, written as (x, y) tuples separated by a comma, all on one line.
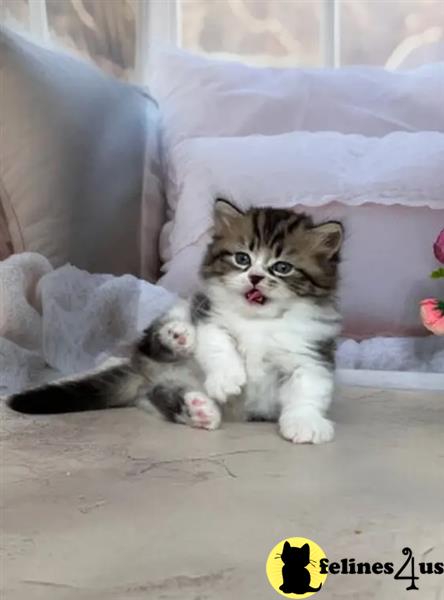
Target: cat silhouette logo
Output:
[(293, 568)]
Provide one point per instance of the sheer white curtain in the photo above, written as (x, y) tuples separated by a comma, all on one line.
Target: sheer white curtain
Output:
[(38, 19), (157, 23), (102, 31), (120, 35)]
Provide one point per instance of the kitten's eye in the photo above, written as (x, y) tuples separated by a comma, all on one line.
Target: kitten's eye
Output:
[(242, 259), (281, 268)]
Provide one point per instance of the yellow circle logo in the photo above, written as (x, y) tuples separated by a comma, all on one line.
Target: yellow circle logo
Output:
[(294, 568)]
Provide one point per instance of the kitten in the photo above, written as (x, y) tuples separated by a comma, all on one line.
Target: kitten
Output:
[(270, 325), (262, 330)]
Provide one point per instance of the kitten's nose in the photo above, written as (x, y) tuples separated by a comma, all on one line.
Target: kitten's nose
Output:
[(255, 279)]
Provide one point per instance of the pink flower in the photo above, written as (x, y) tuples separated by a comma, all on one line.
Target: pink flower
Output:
[(438, 247), (432, 315)]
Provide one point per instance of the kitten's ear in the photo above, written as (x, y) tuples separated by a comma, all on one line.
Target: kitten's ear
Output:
[(286, 546), (328, 237), (306, 548), (225, 212)]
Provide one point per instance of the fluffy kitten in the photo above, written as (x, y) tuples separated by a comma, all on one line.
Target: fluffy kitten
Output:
[(262, 330)]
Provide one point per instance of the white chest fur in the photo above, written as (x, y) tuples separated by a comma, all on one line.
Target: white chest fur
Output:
[(273, 348)]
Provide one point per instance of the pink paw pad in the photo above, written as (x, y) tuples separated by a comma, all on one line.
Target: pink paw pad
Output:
[(203, 412), (197, 402)]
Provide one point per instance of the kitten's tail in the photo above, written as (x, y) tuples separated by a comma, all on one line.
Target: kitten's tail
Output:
[(310, 589), (114, 387)]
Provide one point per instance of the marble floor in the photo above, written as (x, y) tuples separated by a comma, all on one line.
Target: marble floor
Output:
[(119, 505)]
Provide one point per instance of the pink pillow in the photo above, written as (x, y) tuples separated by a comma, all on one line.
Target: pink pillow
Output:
[(383, 277)]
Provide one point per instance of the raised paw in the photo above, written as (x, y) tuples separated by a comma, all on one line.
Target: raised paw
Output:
[(179, 337), (202, 411), (222, 384), (306, 429)]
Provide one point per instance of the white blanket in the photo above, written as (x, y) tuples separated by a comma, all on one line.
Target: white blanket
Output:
[(58, 322)]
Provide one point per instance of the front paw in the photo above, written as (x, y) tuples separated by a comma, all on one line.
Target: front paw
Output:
[(309, 428), (220, 385), (179, 337)]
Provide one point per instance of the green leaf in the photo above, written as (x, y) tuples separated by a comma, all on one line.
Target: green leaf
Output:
[(438, 273)]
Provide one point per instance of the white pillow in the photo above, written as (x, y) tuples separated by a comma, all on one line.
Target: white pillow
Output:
[(389, 191), (205, 97), (202, 97), (72, 157)]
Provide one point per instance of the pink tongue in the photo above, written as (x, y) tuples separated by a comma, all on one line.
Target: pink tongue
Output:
[(254, 296)]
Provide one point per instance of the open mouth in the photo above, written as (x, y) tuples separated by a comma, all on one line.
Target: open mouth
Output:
[(254, 296)]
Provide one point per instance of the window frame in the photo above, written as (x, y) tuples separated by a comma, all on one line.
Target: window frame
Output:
[(164, 16), (158, 23)]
